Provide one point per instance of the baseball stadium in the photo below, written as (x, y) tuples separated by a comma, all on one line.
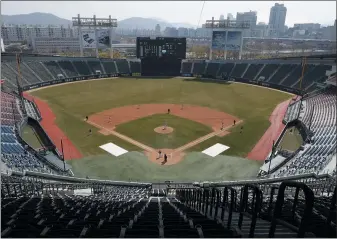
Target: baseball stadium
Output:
[(163, 146)]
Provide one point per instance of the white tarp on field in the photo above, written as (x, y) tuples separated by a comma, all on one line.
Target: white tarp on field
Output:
[(215, 150), (83, 192), (113, 149)]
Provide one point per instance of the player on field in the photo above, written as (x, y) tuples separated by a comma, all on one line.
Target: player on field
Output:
[(159, 154), (165, 158)]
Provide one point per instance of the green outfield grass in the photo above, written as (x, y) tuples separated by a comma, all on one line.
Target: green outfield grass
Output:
[(72, 102), (134, 166), (184, 131), (30, 137), (291, 140)]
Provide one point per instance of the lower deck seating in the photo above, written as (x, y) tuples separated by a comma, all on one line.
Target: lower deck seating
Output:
[(135, 67), (318, 114), (225, 69), (212, 69), (110, 67), (31, 110), (95, 66), (123, 66), (239, 70), (68, 68), (53, 68), (267, 71), (40, 70), (186, 67), (82, 68), (252, 71), (293, 111), (199, 68)]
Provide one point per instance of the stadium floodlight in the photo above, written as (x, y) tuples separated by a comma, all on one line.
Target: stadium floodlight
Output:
[(94, 22), (95, 32), (227, 24), (227, 35)]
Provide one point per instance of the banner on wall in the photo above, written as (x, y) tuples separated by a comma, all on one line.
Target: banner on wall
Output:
[(88, 39), (103, 38), (219, 40), (233, 42)]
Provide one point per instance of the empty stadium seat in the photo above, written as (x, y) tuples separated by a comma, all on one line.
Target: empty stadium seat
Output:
[(68, 68), (225, 69), (239, 70), (82, 68), (110, 67), (252, 71), (186, 67), (199, 68)]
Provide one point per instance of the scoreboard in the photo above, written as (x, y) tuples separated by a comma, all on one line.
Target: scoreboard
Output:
[(167, 47)]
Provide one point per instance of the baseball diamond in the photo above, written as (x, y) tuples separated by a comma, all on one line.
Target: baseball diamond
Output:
[(164, 147)]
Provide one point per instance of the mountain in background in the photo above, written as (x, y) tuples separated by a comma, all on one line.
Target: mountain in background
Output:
[(36, 18), (39, 18), (141, 23)]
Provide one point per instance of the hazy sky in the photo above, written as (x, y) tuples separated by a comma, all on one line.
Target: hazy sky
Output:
[(323, 12)]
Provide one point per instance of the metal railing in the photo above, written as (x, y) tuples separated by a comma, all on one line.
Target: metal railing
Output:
[(209, 200)]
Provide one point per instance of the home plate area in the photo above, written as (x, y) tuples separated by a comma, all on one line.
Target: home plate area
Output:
[(215, 150), (113, 149)]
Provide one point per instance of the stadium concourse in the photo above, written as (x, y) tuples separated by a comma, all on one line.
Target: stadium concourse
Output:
[(294, 194)]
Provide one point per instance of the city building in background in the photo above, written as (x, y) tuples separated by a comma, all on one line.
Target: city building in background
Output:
[(260, 30), (230, 17), (47, 45), (307, 26), (277, 19), (2, 46), (157, 30), (24, 33), (250, 17), (50, 39)]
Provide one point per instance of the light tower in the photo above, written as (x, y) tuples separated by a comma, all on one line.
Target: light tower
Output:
[(226, 35), (89, 27)]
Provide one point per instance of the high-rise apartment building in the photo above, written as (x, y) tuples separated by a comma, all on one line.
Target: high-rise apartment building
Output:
[(250, 17), (157, 30), (277, 18), (230, 16), (21, 33)]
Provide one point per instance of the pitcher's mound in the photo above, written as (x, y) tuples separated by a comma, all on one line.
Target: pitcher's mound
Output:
[(162, 130)]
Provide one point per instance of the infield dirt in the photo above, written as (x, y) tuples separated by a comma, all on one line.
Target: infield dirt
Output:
[(108, 120)]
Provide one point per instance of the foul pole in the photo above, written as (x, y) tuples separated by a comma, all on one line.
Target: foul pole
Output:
[(304, 62), (19, 82)]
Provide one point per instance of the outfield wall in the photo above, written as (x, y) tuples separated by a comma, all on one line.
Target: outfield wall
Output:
[(91, 77)]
